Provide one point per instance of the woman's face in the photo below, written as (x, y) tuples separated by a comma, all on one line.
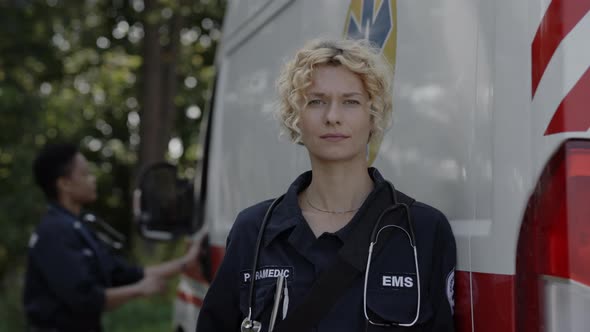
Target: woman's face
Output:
[(335, 123), (80, 184)]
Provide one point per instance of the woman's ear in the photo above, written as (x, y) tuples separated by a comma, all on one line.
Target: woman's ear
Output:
[(62, 185)]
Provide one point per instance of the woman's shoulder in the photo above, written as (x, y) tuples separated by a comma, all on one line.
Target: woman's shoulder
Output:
[(421, 210), (428, 211), (54, 223), (253, 214), (247, 224), (427, 216)]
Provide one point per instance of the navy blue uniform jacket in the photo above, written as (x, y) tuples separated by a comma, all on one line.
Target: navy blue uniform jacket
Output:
[(67, 272), (290, 248)]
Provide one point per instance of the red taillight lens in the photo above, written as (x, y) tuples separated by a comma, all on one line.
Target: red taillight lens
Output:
[(579, 214), (554, 244)]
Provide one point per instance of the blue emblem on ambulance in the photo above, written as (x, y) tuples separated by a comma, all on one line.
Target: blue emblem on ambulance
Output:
[(374, 24), (375, 21)]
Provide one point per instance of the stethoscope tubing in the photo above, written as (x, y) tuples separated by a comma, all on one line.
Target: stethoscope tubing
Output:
[(257, 253), (371, 247)]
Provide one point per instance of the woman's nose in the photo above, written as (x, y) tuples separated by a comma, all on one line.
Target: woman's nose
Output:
[(333, 115)]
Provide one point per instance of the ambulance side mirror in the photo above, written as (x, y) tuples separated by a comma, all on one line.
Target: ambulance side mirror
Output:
[(163, 203)]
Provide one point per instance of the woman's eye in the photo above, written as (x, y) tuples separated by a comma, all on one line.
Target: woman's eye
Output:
[(315, 102), (352, 102)]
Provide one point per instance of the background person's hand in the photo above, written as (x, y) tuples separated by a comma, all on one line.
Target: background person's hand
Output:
[(152, 285), (190, 258)]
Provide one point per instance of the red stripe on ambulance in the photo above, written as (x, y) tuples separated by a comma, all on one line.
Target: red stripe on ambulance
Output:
[(188, 298), (216, 257), (560, 18), (493, 302), (573, 113)]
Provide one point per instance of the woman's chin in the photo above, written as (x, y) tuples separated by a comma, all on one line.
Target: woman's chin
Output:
[(337, 156)]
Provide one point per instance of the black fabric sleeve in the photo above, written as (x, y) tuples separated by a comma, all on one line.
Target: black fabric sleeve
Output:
[(221, 309), (124, 273), (443, 278), (68, 269)]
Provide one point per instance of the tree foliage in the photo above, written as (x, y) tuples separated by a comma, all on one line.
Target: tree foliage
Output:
[(77, 71)]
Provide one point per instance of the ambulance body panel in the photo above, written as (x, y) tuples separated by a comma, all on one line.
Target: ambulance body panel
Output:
[(474, 122)]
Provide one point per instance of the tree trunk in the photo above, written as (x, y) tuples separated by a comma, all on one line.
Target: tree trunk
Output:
[(169, 81), (159, 86), (150, 147)]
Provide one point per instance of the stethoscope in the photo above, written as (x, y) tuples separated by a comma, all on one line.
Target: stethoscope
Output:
[(249, 325)]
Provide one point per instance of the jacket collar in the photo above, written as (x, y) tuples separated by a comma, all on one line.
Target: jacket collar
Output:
[(287, 214), (60, 209)]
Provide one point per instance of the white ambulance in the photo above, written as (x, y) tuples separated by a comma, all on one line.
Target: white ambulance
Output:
[(491, 118)]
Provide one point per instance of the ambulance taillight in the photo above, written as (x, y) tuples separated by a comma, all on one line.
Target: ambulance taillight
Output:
[(553, 255)]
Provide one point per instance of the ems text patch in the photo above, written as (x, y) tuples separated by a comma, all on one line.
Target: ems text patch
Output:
[(268, 272), (397, 280)]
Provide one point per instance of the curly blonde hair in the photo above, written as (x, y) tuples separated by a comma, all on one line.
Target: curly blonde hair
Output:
[(358, 56)]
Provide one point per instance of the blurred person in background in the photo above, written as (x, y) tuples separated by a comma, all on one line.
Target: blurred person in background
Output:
[(72, 277)]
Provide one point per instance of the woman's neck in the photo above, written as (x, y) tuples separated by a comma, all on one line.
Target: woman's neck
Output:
[(339, 186), (70, 205)]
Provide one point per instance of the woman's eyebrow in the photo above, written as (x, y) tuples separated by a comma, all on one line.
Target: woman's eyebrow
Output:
[(346, 94), (351, 94)]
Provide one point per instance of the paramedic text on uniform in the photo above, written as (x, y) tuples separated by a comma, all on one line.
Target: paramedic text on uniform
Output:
[(72, 277), (335, 99)]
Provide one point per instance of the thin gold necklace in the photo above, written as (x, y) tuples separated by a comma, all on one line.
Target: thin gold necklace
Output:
[(327, 211)]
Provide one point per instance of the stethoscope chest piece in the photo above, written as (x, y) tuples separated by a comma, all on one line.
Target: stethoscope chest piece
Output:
[(249, 325)]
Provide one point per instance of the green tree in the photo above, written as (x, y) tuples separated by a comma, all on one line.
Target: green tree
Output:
[(88, 72)]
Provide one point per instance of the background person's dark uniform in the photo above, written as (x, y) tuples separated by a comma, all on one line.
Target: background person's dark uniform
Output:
[(67, 273), (290, 245)]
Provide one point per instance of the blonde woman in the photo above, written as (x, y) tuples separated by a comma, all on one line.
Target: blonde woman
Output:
[(341, 250)]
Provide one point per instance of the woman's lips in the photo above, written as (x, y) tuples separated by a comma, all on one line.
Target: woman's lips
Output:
[(334, 137)]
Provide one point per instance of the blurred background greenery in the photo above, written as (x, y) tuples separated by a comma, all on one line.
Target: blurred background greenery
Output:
[(126, 79)]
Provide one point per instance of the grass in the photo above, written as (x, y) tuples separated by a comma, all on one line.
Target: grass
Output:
[(146, 315)]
